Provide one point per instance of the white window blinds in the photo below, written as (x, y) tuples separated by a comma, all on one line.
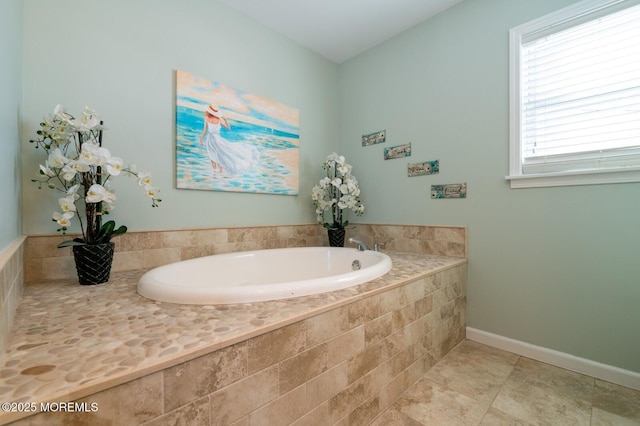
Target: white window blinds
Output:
[(580, 92)]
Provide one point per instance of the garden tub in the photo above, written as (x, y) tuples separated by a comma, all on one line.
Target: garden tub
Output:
[(262, 275)]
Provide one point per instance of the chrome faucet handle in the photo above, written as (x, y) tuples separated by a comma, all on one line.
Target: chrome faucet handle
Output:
[(361, 245), (376, 246)]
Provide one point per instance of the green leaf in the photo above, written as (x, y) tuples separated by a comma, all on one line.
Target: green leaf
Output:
[(121, 230), (108, 231), (74, 242), (107, 228)]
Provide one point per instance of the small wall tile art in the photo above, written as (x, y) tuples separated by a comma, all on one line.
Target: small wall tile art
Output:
[(231, 140), (374, 138), (453, 190), (421, 169), (400, 151)]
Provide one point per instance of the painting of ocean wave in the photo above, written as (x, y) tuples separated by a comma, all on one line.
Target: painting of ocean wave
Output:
[(248, 123)]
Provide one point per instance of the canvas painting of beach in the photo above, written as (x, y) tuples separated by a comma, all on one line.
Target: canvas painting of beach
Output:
[(231, 140)]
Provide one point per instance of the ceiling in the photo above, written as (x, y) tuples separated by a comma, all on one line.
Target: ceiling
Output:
[(339, 29)]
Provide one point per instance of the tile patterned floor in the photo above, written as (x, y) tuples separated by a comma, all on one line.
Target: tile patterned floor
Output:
[(479, 385)]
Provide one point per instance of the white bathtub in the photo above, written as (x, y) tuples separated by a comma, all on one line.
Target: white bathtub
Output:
[(262, 275)]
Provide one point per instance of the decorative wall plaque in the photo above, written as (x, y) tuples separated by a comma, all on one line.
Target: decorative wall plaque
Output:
[(400, 151), (421, 169), (374, 138), (452, 190)]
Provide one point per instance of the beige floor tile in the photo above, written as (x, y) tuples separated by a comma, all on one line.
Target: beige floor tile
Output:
[(434, 404), (393, 417), (556, 378), (605, 418), (617, 400), (486, 354), (542, 394), (495, 417), (475, 370), (458, 389)]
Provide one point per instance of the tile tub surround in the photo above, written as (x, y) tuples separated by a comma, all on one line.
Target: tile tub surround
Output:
[(11, 285), (335, 358), (136, 250), (440, 240)]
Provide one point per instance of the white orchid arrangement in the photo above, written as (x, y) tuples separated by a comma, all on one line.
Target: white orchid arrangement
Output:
[(335, 193), (80, 168)]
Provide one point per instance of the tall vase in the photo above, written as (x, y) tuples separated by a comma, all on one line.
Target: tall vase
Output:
[(93, 263), (336, 237)]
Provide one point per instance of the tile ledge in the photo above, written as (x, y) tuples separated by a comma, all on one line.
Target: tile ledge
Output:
[(10, 250)]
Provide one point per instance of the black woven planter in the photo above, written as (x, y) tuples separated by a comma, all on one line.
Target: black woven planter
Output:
[(93, 263), (336, 237)]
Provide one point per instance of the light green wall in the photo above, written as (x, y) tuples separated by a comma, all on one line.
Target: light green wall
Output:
[(119, 57), (555, 267), (10, 101)]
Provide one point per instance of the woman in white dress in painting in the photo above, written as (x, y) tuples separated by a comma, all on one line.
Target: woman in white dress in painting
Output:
[(225, 156)]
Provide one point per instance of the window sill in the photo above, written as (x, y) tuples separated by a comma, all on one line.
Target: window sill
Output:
[(586, 177)]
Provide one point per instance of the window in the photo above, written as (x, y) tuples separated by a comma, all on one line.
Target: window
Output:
[(575, 96)]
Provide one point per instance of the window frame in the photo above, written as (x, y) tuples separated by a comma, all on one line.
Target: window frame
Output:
[(562, 19)]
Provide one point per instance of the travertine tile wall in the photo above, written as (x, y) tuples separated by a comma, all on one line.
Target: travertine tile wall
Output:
[(440, 240), (138, 250), (11, 284), (342, 367)]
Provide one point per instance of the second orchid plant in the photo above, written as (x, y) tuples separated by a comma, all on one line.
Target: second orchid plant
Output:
[(336, 192)]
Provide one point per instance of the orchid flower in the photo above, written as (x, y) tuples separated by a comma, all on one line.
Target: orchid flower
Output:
[(57, 159), (64, 219), (151, 191), (114, 165), (94, 155), (60, 113), (98, 193), (67, 204), (46, 170), (73, 191), (144, 179), (73, 167), (87, 122)]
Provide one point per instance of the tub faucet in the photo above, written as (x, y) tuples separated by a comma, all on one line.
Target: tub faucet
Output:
[(361, 245)]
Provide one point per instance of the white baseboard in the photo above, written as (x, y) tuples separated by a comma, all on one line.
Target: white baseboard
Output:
[(605, 372)]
